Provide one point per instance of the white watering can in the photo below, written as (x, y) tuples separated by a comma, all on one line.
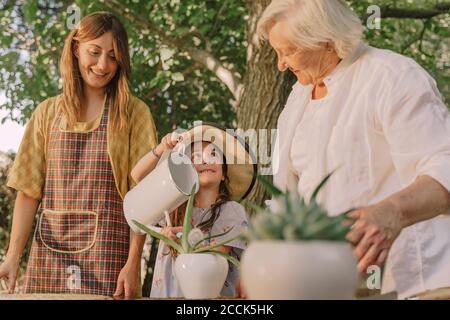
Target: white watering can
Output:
[(163, 190)]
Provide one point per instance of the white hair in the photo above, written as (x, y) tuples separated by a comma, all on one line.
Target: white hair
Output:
[(312, 22)]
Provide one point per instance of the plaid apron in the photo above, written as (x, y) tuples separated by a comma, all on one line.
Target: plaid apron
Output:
[(81, 240)]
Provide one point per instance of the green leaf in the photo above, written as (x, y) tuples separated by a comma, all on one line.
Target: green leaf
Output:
[(177, 77), (233, 260), (161, 237), (165, 86), (252, 205), (211, 237), (29, 9), (318, 230), (319, 187), (181, 31), (166, 53), (187, 221), (203, 249), (287, 203), (270, 187)]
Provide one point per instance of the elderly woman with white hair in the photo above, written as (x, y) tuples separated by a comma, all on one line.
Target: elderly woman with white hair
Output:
[(378, 120)]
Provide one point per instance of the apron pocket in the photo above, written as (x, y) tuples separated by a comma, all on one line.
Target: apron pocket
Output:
[(68, 231)]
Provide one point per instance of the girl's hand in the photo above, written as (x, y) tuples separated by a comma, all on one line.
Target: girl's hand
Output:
[(148, 163), (171, 232), (8, 270), (169, 142)]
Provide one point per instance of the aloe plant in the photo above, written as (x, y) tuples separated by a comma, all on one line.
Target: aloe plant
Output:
[(196, 244), (294, 219)]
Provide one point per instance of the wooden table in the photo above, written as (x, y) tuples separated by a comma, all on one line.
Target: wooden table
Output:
[(438, 294), (16, 296)]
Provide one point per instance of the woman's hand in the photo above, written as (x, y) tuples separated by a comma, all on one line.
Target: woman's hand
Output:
[(373, 232), (8, 271), (25, 209), (171, 232), (127, 281)]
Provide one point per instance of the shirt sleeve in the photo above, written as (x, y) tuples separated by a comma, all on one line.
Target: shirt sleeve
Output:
[(143, 136), (416, 125), (232, 216), (28, 171)]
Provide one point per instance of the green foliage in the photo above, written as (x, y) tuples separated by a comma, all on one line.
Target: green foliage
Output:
[(177, 89), (30, 42), (192, 240), (291, 218), (427, 41), (7, 198)]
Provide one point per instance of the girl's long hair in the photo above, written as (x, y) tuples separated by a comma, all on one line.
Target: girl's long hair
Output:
[(177, 216), (90, 28)]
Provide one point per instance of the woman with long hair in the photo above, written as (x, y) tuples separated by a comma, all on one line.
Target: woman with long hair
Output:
[(73, 168)]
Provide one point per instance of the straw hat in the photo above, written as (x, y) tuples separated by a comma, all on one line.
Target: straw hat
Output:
[(240, 160)]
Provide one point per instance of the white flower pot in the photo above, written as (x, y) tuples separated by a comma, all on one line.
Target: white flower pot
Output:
[(201, 275), (295, 270)]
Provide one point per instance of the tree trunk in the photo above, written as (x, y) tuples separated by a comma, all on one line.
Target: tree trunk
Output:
[(265, 88)]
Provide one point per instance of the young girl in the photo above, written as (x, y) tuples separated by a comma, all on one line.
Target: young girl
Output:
[(214, 211), (73, 168)]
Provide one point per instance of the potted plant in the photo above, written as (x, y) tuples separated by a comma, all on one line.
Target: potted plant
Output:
[(200, 269), (297, 251)]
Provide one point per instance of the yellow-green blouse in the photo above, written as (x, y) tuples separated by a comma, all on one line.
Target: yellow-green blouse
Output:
[(125, 146)]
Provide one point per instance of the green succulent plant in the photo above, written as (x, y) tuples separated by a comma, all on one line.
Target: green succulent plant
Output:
[(295, 219), (192, 241)]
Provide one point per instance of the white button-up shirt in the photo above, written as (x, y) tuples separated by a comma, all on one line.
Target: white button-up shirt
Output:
[(385, 125)]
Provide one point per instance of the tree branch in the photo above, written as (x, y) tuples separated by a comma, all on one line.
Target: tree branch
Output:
[(219, 19), (387, 12), (204, 58), (418, 13), (418, 38)]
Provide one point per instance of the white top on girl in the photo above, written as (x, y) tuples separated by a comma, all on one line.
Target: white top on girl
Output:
[(232, 215)]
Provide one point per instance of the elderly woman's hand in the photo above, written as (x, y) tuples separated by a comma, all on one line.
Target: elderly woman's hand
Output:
[(373, 232)]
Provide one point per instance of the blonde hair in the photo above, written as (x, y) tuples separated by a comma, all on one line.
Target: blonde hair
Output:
[(90, 28), (312, 22)]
